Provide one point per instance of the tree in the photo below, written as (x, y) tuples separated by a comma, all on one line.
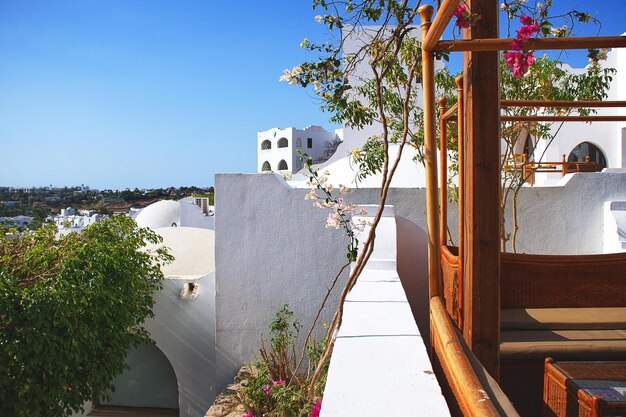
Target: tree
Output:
[(389, 96), (70, 309)]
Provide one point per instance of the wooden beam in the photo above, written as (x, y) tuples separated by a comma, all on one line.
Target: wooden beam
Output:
[(430, 157), (562, 103), (481, 255), (444, 14), (563, 118), (544, 44), (451, 111)]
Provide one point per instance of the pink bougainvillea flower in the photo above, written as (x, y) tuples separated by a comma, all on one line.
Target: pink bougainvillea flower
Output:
[(248, 414), (266, 388), (525, 32), (518, 60), (526, 20), (461, 14), (315, 411), (279, 382), (517, 44)]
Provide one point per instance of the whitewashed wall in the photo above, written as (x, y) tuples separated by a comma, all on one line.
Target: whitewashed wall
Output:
[(272, 248)]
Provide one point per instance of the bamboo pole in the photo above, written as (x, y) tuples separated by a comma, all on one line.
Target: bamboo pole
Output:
[(472, 399), (563, 118), (443, 172), (430, 157), (561, 103), (444, 14), (497, 44), (460, 141)]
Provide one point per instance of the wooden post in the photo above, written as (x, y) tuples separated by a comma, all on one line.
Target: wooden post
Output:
[(430, 157), (563, 166), (481, 263), (443, 172)]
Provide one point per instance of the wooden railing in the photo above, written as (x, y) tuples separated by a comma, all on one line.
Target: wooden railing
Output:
[(471, 391), (530, 168)]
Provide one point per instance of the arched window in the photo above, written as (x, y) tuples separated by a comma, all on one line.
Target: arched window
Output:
[(282, 165), (266, 166), (150, 381), (265, 145), (588, 152), (299, 143), (283, 143), (529, 148)]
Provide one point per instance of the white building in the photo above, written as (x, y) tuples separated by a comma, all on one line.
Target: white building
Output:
[(277, 148), (603, 142), (176, 376)]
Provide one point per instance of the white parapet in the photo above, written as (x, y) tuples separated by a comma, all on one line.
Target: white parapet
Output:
[(614, 226), (380, 366)]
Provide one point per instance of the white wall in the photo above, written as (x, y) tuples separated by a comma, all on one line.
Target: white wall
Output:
[(272, 248), (185, 332)]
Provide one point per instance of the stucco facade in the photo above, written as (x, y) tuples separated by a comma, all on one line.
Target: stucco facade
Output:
[(277, 148)]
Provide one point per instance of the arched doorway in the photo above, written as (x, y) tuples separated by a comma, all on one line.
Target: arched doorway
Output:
[(148, 386), (587, 151)]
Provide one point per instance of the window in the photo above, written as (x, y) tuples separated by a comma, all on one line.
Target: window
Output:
[(282, 165), (588, 152), (265, 145), (266, 166), (529, 148), (283, 143), (298, 143), (309, 143)]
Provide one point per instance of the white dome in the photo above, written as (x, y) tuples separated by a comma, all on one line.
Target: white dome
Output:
[(164, 213), (193, 250)]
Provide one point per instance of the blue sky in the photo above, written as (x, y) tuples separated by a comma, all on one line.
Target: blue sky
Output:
[(152, 93)]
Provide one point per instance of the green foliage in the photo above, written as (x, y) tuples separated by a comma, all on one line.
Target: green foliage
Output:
[(546, 80), (276, 387), (70, 309)]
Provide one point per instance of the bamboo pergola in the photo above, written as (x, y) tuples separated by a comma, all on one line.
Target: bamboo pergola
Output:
[(478, 113)]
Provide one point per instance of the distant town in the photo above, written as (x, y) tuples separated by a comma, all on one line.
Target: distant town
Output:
[(30, 207)]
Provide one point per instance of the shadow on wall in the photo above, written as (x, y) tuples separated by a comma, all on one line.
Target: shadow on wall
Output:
[(412, 258)]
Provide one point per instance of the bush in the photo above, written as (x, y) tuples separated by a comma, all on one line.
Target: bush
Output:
[(277, 386), (70, 309)]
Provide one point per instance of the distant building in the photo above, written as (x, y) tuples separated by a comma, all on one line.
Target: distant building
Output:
[(277, 148), (19, 222)]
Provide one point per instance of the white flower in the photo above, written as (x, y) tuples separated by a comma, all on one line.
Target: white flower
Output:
[(344, 190), (360, 225), (363, 212), (291, 76), (333, 221), (311, 195), (318, 18), (316, 85)]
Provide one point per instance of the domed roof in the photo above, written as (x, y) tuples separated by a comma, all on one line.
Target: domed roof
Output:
[(164, 213), (193, 250)]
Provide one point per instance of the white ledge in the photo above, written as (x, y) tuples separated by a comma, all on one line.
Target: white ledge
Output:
[(380, 366)]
